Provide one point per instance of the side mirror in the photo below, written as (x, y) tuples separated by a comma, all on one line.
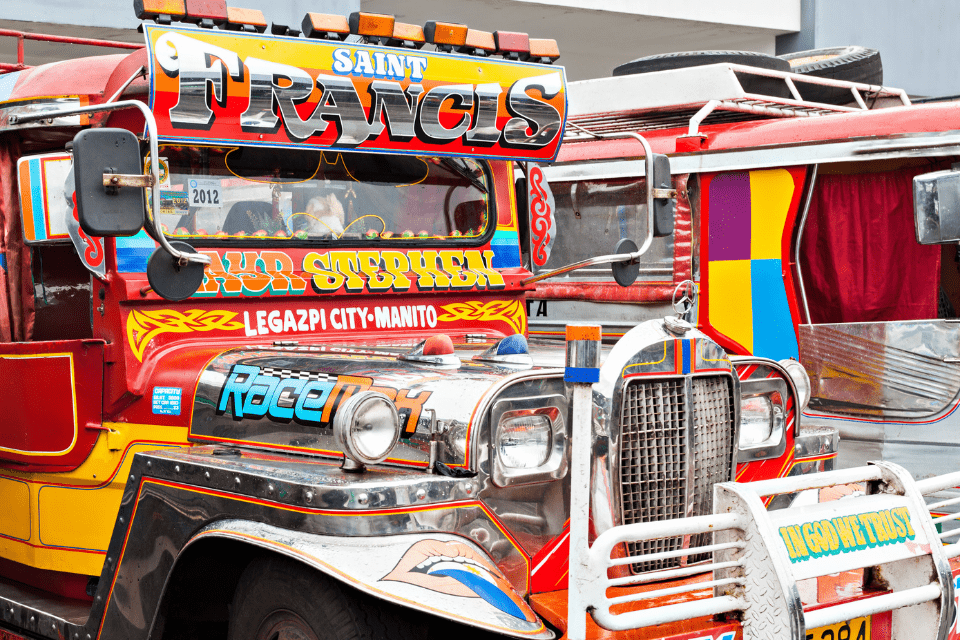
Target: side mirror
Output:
[(663, 207), (936, 207), (115, 209)]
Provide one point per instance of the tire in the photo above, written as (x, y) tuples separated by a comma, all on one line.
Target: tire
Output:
[(682, 60), (853, 64), (279, 599)]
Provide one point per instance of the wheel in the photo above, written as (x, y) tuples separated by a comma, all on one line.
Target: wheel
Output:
[(280, 599), (751, 84), (853, 64)]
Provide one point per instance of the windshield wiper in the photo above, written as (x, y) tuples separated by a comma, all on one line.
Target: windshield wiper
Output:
[(463, 172)]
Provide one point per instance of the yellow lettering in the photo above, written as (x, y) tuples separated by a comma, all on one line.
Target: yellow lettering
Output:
[(845, 533), (830, 536), (904, 515), (797, 540), (324, 280), (452, 263), (865, 520), (397, 266), (345, 262), (786, 542), (487, 276), (424, 264), (370, 266), (811, 538)]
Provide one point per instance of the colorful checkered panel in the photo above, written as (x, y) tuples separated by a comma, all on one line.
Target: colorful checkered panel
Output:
[(747, 296)]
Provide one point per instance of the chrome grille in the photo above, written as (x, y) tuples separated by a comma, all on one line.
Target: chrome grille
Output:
[(653, 465)]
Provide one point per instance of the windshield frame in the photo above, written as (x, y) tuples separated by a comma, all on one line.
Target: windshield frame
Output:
[(329, 242)]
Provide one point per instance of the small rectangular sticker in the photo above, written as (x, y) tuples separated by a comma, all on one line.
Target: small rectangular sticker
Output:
[(204, 192), (166, 401)]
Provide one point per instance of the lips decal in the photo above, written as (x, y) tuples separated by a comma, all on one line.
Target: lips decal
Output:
[(456, 569)]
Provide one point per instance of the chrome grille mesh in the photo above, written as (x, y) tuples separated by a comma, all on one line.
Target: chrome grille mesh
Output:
[(653, 467)]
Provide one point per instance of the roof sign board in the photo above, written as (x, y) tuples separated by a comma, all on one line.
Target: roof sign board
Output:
[(215, 87)]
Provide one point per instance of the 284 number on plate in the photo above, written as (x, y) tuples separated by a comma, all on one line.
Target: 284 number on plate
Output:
[(856, 629)]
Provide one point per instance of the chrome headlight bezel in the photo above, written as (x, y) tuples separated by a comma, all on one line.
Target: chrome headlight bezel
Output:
[(555, 462), (346, 422), (801, 382), (775, 391)]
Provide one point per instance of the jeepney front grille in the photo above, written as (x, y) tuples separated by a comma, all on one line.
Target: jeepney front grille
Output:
[(653, 457)]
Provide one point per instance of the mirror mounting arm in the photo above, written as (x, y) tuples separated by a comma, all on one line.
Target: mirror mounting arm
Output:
[(182, 257), (124, 180)]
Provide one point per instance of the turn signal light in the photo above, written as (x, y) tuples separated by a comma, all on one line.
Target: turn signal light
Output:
[(325, 26), (445, 34), (153, 9), (245, 20), (206, 13), (544, 50), (407, 35), (371, 25), (512, 45), (479, 43)]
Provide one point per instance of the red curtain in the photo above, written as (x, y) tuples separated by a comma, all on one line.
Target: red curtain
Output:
[(860, 258)]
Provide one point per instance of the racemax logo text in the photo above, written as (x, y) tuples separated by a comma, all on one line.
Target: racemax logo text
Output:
[(250, 393), (847, 533)]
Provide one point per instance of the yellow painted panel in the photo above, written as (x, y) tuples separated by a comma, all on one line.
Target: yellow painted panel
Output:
[(78, 518), (83, 518), (731, 302), (770, 194), (15, 511)]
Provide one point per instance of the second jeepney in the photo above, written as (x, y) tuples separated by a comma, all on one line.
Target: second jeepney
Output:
[(264, 360)]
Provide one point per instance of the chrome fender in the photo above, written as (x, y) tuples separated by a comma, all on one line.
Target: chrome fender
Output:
[(437, 573)]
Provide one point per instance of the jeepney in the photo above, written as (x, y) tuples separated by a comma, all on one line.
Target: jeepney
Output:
[(795, 219), (265, 366)]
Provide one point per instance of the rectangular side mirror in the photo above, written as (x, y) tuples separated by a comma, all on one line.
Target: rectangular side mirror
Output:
[(111, 210), (663, 208), (936, 207)]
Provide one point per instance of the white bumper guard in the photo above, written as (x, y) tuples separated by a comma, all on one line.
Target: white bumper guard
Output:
[(759, 555)]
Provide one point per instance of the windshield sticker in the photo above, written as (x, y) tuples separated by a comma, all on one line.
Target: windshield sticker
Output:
[(306, 397), (255, 273), (217, 87), (845, 534)]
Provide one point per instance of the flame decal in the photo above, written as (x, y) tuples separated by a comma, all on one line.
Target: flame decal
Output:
[(144, 326), (510, 311)]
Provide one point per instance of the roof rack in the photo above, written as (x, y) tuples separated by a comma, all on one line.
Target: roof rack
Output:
[(42, 37), (708, 94)]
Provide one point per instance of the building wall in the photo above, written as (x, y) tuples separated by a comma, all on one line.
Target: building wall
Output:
[(916, 38)]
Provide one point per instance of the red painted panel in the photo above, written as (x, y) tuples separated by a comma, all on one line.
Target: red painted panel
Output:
[(50, 398)]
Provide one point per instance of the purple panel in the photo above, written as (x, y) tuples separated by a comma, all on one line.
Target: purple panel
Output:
[(730, 217)]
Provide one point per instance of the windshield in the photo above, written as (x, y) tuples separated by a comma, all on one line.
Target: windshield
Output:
[(592, 216), (235, 195)]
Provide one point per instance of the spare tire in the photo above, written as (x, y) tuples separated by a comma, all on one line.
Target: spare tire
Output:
[(853, 64), (751, 84)]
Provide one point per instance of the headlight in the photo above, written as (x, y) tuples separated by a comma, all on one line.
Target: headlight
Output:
[(528, 440), (800, 380), (367, 427), (524, 439), (759, 419), (762, 418)]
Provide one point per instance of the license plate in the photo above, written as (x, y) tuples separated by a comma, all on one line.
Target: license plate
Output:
[(856, 629)]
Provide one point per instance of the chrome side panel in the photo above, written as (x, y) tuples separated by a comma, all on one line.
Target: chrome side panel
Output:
[(392, 568), (172, 495), (887, 370)]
